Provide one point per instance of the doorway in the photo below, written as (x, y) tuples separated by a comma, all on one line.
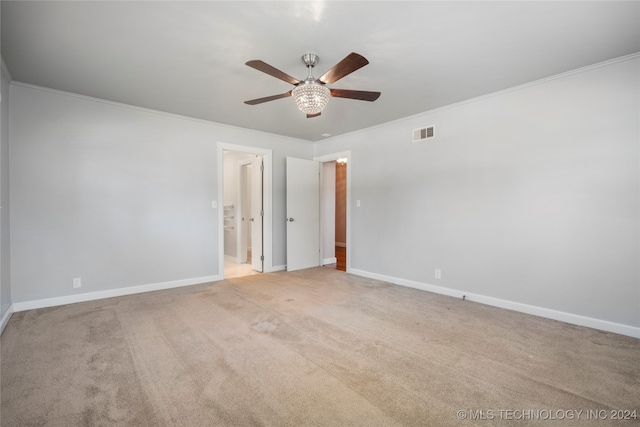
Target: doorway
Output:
[(244, 251), (335, 210), (244, 191), (341, 214)]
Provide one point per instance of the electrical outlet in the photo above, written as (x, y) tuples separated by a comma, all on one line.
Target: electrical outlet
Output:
[(438, 273), (77, 283)]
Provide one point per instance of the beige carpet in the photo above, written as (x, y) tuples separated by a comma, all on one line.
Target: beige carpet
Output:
[(317, 347)]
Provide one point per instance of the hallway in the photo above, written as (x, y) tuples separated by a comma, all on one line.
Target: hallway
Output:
[(341, 257)]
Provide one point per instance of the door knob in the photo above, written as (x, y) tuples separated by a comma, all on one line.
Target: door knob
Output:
[(251, 220), (290, 219)]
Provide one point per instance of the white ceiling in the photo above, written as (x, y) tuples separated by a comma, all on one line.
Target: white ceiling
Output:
[(188, 57)]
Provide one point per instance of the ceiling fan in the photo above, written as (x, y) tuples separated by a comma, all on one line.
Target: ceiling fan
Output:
[(311, 95)]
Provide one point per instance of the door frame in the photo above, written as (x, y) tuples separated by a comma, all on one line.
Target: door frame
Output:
[(267, 225), (330, 158)]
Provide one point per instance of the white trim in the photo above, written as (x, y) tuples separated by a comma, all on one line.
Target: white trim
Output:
[(479, 98), (5, 69), (231, 258), (278, 268), (91, 296), (326, 261), (574, 319), (152, 111), (490, 95), (329, 158), (333, 156), (267, 201), (6, 318)]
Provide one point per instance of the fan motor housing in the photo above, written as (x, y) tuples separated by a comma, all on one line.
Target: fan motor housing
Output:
[(310, 59)]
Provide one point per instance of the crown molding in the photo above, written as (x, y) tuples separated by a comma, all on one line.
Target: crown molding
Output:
[(523, 86), (5, 68), (151, 111)]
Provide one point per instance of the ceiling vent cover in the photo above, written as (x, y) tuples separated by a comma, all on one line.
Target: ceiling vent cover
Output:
[(423, 133)]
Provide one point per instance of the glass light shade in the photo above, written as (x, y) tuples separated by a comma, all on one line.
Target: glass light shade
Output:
[(311, 98)]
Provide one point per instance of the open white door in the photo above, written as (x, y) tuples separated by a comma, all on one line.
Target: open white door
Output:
[(257, 214), (303, 214)]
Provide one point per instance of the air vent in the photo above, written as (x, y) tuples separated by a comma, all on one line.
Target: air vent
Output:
[(423, 133)]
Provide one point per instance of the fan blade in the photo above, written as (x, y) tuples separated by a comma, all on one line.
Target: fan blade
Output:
[(266, 68), (267, 98), (348, 65), (361, 95), (309, 116)]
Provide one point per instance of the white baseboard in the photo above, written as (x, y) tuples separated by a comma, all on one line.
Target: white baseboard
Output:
[(326, 261), (574, 319), (6, 318), (91, 296), (277, 268), (232, 258)]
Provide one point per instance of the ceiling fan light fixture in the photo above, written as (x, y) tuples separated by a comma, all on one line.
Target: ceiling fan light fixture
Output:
[(311, 97)]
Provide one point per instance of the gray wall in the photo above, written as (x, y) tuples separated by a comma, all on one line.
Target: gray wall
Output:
[(5, 255), (529, 196), (118, 196)]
